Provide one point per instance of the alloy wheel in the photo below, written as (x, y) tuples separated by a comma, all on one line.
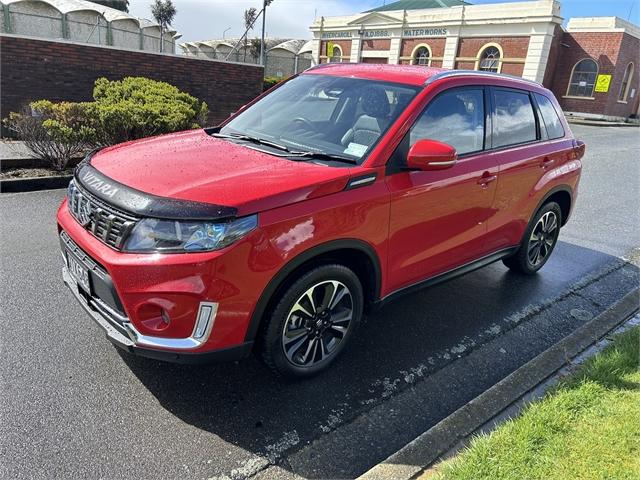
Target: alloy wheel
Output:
[(542, 239), (317, 323)]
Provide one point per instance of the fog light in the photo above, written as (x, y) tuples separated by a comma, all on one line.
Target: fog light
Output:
[(206, 317)]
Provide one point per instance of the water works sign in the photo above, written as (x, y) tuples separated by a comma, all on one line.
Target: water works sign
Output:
[(424, 32)]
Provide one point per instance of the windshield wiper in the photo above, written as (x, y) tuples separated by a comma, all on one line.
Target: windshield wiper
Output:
[(247, 138), (299, 156)]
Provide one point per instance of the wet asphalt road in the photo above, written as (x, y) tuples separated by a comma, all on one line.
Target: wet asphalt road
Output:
[(72, 406)]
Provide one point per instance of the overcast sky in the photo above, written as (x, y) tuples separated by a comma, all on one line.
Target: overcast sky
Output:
[(207, 19)]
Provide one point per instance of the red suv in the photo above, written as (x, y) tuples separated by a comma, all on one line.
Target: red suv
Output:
[(334, 192)]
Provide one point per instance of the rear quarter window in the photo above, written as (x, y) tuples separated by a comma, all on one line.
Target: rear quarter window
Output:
[(514, 121), (550, 117)]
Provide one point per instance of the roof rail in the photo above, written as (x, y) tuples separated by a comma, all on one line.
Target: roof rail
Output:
[(462, 73), (328, 64)]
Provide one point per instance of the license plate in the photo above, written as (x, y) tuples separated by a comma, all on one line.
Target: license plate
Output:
[(79, 272)]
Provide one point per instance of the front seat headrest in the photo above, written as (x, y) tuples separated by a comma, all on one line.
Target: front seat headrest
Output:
[(374, 102)]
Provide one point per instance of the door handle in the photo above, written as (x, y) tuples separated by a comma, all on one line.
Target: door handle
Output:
[(547, 162), (486, 179)]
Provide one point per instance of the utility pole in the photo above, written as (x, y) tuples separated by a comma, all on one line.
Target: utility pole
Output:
[(263, 49)]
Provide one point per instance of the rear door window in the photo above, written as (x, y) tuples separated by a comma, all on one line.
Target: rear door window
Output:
[(550, 117), (514, 121), (455, 117)]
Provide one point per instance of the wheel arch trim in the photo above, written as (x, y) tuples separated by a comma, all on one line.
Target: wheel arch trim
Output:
[(299, 260), (560, 188)]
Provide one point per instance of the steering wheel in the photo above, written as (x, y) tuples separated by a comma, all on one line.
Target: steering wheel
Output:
[(304, 122)]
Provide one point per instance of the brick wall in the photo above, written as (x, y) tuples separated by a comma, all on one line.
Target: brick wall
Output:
[(554, 52), (35, 69), (379, 44), (436, 45), (612, 51), (513, 48), (345, 46)]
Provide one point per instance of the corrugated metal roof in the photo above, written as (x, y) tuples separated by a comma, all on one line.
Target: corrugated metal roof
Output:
[(418, 5)]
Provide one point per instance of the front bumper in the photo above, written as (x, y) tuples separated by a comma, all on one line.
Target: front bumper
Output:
[(125, 336)]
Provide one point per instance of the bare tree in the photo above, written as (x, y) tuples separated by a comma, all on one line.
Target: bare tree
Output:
[(250, 16), (163, 11)]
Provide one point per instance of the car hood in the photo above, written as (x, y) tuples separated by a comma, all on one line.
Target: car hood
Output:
[(196, 167)]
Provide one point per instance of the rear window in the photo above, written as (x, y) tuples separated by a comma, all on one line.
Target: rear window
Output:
[(550, 117), (514, 121)]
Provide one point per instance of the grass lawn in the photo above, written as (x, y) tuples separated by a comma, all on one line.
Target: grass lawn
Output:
[(588, 427)]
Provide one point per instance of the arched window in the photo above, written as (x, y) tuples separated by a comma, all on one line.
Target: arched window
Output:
[(335, 56), (489, 59), (421, 55), (626, 83), (583, 78)]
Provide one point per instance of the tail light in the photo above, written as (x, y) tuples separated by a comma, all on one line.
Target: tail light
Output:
[(579, 148)]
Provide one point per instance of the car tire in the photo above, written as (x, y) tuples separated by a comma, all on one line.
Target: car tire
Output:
[(312, 322), (538, 242)]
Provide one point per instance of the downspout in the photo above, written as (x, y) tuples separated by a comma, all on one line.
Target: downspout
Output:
[(65, 26), (7, 18)]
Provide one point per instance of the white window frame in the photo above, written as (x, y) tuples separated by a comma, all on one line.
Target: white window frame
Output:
[(415, 50), (330, 59), (624, 95), (586, 97), (482, 50)]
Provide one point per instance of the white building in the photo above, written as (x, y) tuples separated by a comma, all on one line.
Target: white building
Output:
[(285, 57), (590, 65), (82, 21), (444, 33)]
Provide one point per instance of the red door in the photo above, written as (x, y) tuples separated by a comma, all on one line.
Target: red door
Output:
[(524, 156), (438, 219)]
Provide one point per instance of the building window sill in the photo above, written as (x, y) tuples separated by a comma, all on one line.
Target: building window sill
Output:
[(578, 98), (623, 101)]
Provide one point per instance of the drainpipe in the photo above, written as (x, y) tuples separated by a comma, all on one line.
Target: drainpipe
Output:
[(7, 18), (65, 26)]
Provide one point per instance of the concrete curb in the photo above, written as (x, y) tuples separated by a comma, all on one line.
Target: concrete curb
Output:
[(600, 123), (34, 183), (422, 452), (31, 162)]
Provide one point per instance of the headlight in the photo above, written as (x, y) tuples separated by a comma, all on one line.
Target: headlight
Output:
[(153, 235)]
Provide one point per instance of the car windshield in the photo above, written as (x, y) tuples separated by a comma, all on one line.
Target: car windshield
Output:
[(316, 116)]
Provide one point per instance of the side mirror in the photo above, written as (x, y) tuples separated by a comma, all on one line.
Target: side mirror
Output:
[(431, 155)]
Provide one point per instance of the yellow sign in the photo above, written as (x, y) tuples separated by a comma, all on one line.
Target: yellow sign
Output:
[(602, 83), (330, 46)]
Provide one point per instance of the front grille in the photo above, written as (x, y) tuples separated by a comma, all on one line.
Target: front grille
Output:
[(107, 224)]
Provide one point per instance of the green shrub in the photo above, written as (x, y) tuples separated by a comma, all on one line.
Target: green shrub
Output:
[(54, 132), (271, 81), (138, 107), (122, 110)]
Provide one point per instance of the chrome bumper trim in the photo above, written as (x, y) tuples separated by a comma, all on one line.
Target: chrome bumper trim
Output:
[(100, 313), (111, 331)]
